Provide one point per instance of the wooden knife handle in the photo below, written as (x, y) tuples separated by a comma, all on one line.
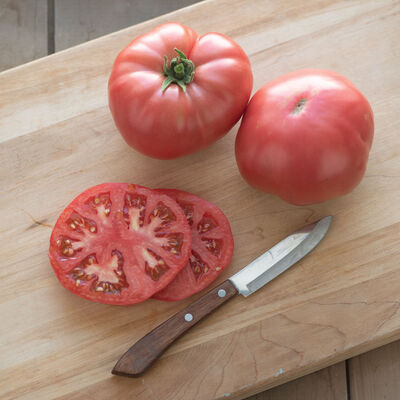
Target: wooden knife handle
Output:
[(146, 350)]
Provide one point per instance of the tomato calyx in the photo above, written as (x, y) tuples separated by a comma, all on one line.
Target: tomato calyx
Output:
[(179, 71), (299, 106)]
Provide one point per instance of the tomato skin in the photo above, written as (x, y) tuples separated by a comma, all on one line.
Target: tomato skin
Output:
[(305, 137), (172, 123), (112, 233), (186, 283)]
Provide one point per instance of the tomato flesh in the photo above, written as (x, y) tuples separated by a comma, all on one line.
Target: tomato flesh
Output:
[(212, 246), (118, 243)]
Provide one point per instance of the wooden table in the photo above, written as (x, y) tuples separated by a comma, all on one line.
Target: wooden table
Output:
[(38, 106)]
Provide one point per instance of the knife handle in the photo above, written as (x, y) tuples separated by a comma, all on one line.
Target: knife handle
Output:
[(147, 349)]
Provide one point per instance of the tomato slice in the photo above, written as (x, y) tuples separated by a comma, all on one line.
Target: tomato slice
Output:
[(118, 243), (212, 246)]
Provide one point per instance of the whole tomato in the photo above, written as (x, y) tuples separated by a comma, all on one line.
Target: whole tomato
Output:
[(305, 137), (173, 92)]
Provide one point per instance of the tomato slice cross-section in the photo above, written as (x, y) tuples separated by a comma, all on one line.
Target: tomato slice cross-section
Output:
[(118, 243), (212, 246)]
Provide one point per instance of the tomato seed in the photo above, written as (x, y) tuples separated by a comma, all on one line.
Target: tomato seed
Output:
[(153, 273), (206, 224), (213, 245), (188, 210), (198, 266)]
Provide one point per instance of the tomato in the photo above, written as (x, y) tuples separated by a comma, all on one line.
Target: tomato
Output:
[(173, 106), (306, 137), (212, 246), (119, 244)]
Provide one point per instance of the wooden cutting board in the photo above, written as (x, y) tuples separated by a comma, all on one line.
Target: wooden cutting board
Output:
[(58, 138)]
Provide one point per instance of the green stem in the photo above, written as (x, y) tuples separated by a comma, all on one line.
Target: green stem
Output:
[(179, 71)]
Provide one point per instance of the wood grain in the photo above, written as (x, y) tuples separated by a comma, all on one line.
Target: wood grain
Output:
[(78, 21), (23, 31), (147, 349), (375, 375), (327, 384), (58, 138)]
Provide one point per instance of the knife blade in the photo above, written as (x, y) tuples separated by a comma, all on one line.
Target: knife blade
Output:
[(280, 257), (245, 282)]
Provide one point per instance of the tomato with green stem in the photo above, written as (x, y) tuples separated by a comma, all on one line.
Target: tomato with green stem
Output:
[(173, 92)]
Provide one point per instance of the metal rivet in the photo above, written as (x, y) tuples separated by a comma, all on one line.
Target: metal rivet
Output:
[(221, 293), (188, 317)]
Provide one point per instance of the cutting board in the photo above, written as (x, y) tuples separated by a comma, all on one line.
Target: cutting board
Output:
[(58, 138)]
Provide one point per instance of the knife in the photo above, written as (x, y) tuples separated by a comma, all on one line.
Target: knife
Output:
[(245, 282)]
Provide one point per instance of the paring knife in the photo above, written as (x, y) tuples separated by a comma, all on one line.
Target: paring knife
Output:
[(249, 279)]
